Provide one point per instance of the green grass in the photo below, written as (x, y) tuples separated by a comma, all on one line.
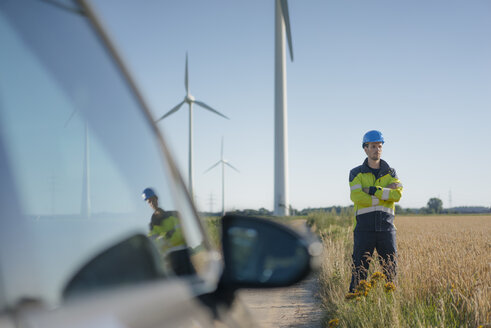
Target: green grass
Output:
[(213, 226), (330, 224)]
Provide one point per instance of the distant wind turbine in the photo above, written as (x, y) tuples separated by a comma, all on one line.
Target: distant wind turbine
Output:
[(190, 100), (85, 205), (223, 162), (282, 24)]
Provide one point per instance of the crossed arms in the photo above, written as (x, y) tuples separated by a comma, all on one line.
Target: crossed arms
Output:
[(371, 196), (393, 185)]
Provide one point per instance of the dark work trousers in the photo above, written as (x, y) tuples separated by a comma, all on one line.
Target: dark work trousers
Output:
[(365, 242), (181, 262)]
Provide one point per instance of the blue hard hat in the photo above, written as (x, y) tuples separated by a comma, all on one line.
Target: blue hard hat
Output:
[(373, 136), (147, 193)]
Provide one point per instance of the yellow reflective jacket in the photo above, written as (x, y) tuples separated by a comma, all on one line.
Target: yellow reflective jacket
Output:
[(374, 212), (166, 230)]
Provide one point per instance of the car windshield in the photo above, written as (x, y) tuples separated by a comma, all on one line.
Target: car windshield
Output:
[(76, 153)]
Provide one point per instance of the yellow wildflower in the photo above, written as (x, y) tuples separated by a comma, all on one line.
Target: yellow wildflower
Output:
[(333, 323), (376, 276), (389, 287), (363, 287), (350, 296)]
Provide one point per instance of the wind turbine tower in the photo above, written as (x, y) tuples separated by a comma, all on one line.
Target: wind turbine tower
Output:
[(282, 25), (85, 209), (223, 162), (190, 100)]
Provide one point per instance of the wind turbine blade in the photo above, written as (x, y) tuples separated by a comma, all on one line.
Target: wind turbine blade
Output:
[(202, 104), (213, 166), (227, 163), (70, 118), (186, 79), (173, 110), (286, 17)]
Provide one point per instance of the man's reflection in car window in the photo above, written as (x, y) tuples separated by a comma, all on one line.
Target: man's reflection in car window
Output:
[(166, 232)]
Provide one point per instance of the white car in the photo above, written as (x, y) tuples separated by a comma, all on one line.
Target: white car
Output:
[(77, 147)]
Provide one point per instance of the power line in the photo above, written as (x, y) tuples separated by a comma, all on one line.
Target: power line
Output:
[(211, 202), (450, 198)]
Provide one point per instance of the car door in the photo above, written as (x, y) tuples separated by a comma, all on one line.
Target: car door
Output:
[(76, 151)]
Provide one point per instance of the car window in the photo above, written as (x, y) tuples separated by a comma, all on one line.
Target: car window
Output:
[(79, 153)]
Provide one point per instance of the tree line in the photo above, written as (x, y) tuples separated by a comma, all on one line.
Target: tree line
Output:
[(434, 206)]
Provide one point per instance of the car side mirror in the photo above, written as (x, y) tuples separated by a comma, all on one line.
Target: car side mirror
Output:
[(260, 253)]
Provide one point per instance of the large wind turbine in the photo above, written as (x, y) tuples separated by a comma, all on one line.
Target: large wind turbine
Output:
[(223, 162), (282, 25), (190, 100)]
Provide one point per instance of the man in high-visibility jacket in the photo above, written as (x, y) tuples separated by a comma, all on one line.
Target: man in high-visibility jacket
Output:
[(374, 190), (166, 232)]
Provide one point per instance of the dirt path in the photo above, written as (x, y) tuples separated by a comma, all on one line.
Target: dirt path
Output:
[(296, 306)]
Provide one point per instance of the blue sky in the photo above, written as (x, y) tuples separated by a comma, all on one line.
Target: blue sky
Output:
[(419, 71)]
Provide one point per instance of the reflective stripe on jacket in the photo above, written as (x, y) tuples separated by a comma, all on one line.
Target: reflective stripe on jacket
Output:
[(374, 213)]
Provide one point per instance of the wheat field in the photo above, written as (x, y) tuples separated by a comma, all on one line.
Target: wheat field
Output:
[(444, 276)]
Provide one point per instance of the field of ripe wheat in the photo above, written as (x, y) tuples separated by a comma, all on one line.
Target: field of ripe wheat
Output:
[(444, 276)]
